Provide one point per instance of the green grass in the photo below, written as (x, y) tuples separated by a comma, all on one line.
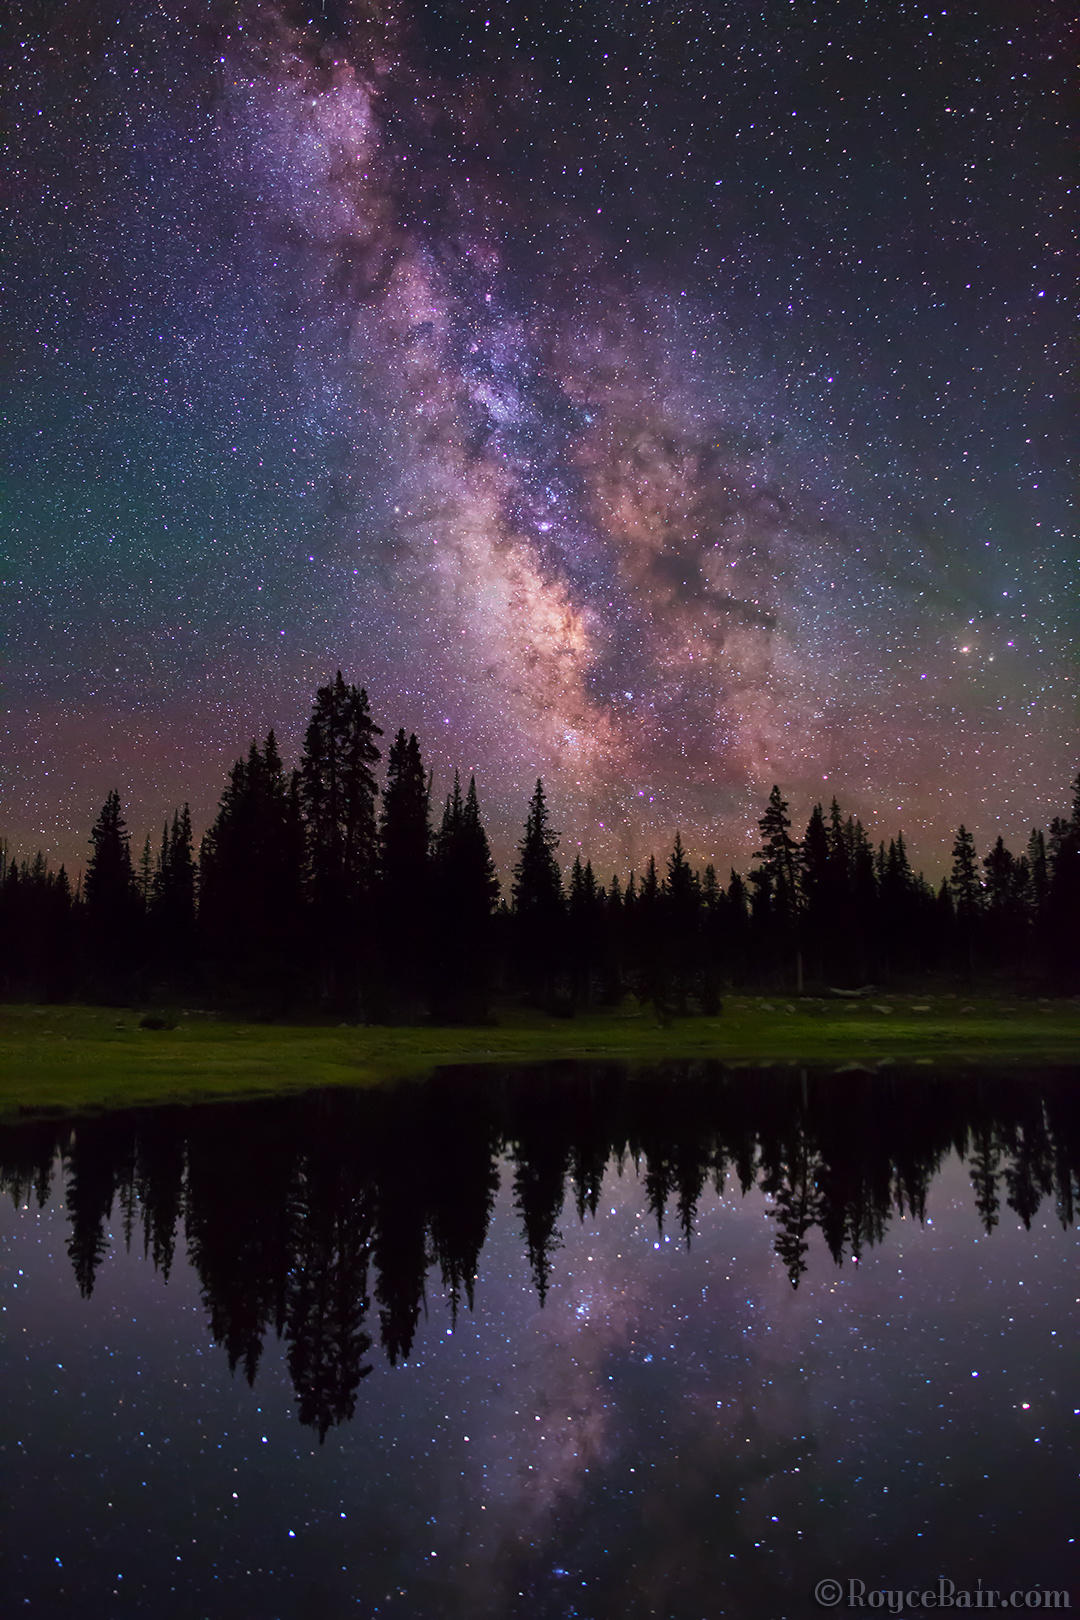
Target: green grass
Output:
[(74, 1057)]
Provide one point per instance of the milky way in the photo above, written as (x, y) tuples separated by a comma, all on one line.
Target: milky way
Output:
[(652, 404)]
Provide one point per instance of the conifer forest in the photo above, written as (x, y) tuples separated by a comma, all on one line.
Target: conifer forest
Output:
[(320, 890)]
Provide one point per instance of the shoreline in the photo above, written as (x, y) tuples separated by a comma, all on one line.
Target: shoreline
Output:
[(71, 1058)]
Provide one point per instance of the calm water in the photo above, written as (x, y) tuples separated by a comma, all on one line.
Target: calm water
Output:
[(559, 1343)]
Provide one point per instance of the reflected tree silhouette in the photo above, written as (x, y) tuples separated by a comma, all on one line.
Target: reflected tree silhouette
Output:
[(299, 1215), (327, 1300)]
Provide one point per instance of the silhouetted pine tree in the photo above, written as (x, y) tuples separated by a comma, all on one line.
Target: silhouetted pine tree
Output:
[(338, 791), (737, 940), (815, 919), (476, 856), (60, 955), (172, 902), (1008, 907), (649, 890), (585, 911), (538, 900), (37, 930), (900, 915), (1039, 873), (713, 929), (964, 885), (250, 877), (112, 903), (967, 895), (404, 877), (681, 925), (779, 868), (999, 867), (860, 865), (650, 968), (945, 920), (144, 879), (836, 914), (465, 889)]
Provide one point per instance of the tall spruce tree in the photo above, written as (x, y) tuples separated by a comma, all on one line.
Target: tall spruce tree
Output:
[(172, 900), (338, 792), (1039, 872), (1008, 907), (650, 965), (112, 904), (779, 857), (144, 880), (585, 910), (404, 822), (897, 910), (964, 885), (404, 857), (681, 913), (612, 941), (538, 898), (465, 888), (37, 933), (478, 861), (712, 941), (736, 936), (250, 876), (779, 880), (967, 895), (60, 953), (814, 887), (1000, 869), (863, 892), (681, 886)]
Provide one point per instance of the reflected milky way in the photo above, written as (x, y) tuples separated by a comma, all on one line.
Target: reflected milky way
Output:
[(298, 1216), (549, 1336)]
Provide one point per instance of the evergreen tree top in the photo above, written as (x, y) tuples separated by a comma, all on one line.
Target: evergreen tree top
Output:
[(537, 880)]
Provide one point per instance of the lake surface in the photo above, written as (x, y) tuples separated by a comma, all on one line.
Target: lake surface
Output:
[(570, 1342)]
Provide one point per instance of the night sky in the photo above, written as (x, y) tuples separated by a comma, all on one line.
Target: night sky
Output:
[(665, 399)]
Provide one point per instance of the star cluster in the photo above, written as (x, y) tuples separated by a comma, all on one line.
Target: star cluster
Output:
[(667, 401)]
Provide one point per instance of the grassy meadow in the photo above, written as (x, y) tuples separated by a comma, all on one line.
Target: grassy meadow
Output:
[(60, 1058)]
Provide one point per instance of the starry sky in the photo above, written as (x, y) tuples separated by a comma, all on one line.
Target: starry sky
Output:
[(667, 399)]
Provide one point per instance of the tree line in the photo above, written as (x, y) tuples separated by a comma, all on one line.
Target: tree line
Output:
[(317, 888), (322, 1219)]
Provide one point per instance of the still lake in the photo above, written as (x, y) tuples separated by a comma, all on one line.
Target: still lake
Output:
[(566, 1342)]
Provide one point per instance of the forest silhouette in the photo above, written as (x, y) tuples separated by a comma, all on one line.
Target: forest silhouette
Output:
[(325, 1221), (317, 891)]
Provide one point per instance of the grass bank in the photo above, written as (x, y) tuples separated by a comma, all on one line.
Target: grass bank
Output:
[(73, 1057)]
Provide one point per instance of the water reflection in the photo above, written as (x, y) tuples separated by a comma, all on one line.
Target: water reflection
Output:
[(320, 1219)]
